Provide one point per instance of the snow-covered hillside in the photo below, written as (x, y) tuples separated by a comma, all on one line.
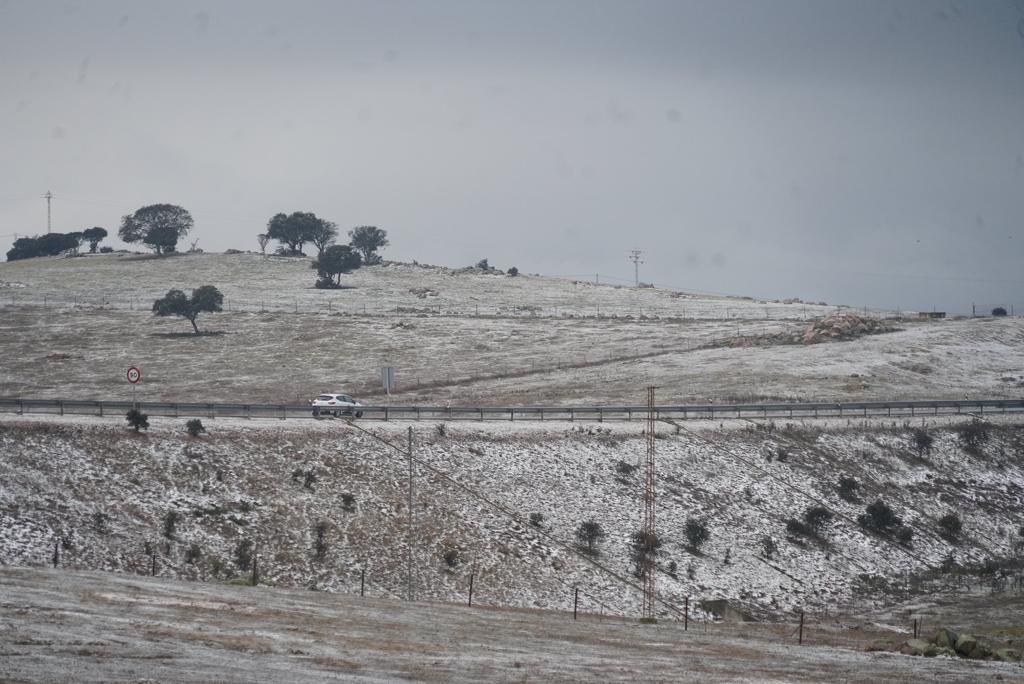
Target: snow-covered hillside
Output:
[(106, 495), (457, 337)]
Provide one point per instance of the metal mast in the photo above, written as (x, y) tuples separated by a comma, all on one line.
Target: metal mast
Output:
[(649, 500), (634, 256), (48, 196)]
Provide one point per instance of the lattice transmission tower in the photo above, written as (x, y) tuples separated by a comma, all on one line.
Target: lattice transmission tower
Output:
[(650, 535)]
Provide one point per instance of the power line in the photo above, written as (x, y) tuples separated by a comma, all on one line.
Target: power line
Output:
[(503, 510)]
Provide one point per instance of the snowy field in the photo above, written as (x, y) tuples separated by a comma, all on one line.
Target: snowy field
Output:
[(92, 627), (106, 494), (70, 327), (323, 502)]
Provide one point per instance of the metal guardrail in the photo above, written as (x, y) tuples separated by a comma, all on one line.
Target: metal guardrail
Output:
[(513, 413)]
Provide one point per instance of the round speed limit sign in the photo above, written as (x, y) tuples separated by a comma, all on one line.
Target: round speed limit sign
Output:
[(134, 375)]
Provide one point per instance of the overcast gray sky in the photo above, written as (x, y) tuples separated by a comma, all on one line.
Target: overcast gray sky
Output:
[(865, 152)]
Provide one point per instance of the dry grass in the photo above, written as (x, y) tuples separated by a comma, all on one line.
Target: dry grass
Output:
[(297, 636)]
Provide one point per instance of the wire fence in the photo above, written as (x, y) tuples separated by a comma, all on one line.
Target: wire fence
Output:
[(260, 564), (685, 310)]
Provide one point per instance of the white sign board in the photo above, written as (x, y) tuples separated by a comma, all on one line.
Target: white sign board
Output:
[(387, 378)]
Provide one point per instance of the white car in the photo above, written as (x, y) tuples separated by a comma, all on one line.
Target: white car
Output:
[(336, 405)]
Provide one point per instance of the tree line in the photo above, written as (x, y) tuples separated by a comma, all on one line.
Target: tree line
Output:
[(161, 226), (53, 244), (294, 231)]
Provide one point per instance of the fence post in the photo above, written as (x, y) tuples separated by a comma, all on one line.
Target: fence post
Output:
[(800, 639), (56, 553), (575, 601), (362, 582), (686, 613), (255, 561), (101, 408), (471, 589), (60, 403)]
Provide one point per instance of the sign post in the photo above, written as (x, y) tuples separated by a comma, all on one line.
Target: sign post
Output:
[(387, 378), (134, 375)]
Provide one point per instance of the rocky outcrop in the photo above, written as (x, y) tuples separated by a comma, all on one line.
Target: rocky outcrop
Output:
[(950, 644), (843, 326), (833, 328), (946, 638)]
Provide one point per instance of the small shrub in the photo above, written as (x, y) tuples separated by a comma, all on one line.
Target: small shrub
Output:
[(515, 271), (904, 535), (217, 567), (727, 560), (137, 420), (643, 552), (768, 546), (452, 557), (999, 311), (309, 479), (691, 571), (192, 554), (948, 563), (106, 250), (922, 441), (951, 525), (781, 455), (590, 532), (973, 435), (348, 502), (243, 555), (101, 522), (879, 517), (195, 427), (441, 429), (673, 568), (848, 489), (816, 518), (623, 468), (483, 265), (697, 533), (537, 519), (320, 540), (171, 524), (797, 528)]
